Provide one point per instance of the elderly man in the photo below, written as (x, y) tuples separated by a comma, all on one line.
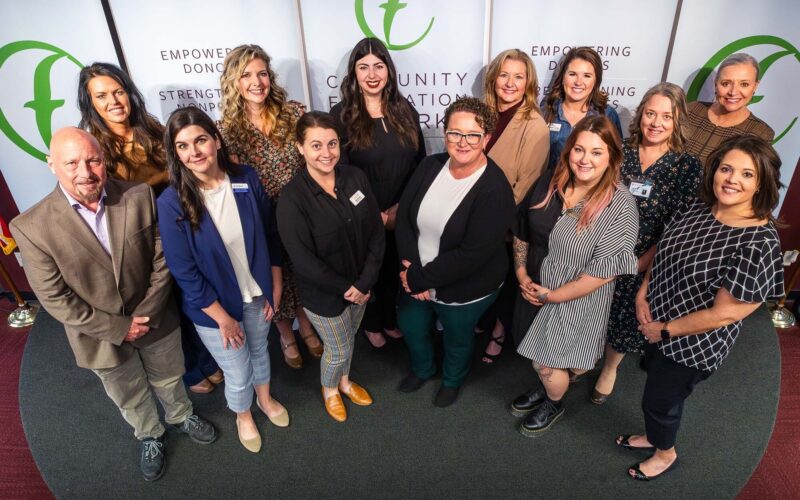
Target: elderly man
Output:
[(92, 254)]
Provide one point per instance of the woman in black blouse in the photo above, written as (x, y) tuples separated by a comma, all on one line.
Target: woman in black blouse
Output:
[(451, 227), (330, 224), (381, 136), (717, 261)]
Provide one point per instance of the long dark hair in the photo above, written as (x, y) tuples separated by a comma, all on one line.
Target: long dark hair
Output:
[(147, 131), (181, 178), (395, 107), (597, 99)]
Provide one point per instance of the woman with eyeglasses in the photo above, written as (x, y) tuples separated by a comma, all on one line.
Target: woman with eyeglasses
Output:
[(451, 225)]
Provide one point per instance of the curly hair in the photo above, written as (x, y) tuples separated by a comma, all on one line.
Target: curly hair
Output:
[(485, 116), (184, 181), (677, 99), (597, 98), (276, 113), (147, 130), (394, 106), (530, 99), (598, 197)]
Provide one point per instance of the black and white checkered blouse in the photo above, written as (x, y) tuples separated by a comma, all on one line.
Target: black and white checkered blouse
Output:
[(698, 255)]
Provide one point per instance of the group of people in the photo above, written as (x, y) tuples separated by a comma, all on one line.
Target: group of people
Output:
[(537, 224)]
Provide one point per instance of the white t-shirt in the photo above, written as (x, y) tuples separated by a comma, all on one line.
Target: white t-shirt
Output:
[(221, 206), (443, 197)]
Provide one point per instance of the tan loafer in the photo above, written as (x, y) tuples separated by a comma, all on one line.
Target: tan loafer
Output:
[(279, 420), (357, 394), (335, 407), (217, 378), (252, 444), (202, 387)]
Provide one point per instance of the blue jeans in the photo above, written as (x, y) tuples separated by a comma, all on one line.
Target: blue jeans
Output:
[(246, 366)]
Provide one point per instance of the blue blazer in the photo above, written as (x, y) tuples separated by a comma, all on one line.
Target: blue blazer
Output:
[(198, 260)]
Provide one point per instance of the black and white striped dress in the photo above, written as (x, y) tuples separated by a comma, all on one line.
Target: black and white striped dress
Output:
[(572, 334)]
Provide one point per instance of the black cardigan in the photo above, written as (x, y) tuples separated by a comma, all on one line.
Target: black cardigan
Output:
[(333, 243), (472, 260)]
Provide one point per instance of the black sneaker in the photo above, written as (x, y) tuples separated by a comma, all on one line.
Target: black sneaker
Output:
[(198, 429), (528, 402), (541, 419), (411, 383), (152, 461), (446, 396)]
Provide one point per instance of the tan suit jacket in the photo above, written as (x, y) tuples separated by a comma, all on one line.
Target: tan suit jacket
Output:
[(522, 151), (93, 294)]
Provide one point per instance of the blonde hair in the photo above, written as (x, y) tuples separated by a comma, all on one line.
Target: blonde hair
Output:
[(531, 96), (676, 141), (276, 114)]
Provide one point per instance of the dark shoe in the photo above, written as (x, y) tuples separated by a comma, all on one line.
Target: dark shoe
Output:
[(528, 402), (198, 429), (487, 358), (152, 461), (540, 420), (446, 396), (203, 387), (624, 442), (411, 383), (598, 397), (577, 377), (376, 339), (638, 475), (217, 378)]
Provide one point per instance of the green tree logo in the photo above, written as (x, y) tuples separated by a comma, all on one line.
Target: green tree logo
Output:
[(42, 104), (785, 49), (391, 8)]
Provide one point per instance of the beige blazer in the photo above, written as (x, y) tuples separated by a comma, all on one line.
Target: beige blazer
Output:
[(522, 151), (93, 294)]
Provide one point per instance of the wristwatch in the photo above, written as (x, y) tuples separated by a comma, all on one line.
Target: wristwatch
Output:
[(665, 331)]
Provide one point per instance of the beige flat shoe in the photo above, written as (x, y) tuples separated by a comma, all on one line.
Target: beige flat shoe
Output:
[(279, 420), (253, 444)]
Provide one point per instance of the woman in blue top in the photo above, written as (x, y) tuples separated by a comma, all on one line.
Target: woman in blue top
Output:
[(220, 242), (574, 93)]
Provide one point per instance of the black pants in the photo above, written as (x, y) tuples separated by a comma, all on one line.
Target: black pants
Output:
[(381, 310), (667, 387)]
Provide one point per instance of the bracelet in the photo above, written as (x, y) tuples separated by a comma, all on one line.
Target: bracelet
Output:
[(665, 331)]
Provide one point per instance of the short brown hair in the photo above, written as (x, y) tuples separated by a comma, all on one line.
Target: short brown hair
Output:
[(768, 172), (484, 115)]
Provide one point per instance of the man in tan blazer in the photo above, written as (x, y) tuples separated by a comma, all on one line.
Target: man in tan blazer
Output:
[(92, 254)]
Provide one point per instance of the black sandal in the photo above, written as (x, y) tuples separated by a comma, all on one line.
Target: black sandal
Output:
[(623, 442), (638, 475), (487, 358)]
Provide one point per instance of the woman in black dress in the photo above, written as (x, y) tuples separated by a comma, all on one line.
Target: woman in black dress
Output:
[(718, 260), (662, 178), (380, 135)]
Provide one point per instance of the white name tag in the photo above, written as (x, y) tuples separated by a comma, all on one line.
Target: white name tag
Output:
[(641, 189), (240, 187), (356, 198), (555, 127)]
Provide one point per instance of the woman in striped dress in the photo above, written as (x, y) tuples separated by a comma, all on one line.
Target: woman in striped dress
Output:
[(594, 223)]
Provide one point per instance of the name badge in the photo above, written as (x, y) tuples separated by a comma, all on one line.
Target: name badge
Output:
[(555, 127), (356, 198), (641, 187), (240, 187)]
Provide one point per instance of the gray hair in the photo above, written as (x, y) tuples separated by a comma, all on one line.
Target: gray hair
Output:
[(738, 58)]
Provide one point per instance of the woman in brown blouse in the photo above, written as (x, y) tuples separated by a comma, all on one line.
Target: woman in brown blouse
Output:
[(710, 123), (257, 124)]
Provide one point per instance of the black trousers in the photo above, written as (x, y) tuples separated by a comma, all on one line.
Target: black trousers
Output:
[(667, 387), (381, 310)]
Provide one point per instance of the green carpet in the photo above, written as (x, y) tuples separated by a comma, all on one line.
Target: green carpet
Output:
[(403, 446)]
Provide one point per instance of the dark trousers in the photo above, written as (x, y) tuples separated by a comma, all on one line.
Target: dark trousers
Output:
[(417, 318), (197, 361), (381, 311), (667, 387)]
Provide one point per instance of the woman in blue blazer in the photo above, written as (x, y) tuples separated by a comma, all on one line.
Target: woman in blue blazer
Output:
[(218, 233)]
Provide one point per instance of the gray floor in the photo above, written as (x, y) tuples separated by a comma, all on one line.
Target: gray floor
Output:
[(403, 446)]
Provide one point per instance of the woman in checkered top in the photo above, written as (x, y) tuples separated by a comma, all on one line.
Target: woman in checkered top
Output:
[(718, 260)]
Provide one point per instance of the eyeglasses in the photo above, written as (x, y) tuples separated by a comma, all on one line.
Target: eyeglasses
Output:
[(472, 138)]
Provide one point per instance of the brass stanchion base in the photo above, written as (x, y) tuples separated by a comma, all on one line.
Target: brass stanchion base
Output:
[(23, 316), (781, 317)]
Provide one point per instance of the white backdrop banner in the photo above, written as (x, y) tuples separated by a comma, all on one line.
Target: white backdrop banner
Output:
[(631, 37), (436, 47), (39, 66), (175, 51), (771, 35)]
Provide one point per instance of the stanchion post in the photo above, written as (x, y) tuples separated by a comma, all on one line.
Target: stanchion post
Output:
[(25, 313)]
